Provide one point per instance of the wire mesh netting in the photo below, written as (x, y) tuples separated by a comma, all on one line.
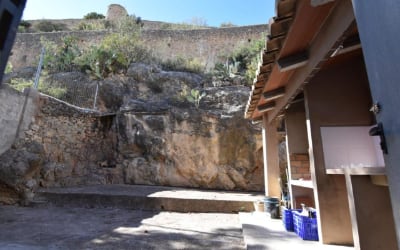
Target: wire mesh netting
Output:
[(78, 94)]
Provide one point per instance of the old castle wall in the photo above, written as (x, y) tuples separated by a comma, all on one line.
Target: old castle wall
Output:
[(206, 45)]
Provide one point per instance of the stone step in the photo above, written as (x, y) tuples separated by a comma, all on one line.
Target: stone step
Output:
[(152, 198)]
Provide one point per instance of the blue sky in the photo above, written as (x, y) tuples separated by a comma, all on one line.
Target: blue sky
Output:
[(214, 12)]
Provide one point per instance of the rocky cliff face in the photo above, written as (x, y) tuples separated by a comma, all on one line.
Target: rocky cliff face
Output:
[(147, 133)]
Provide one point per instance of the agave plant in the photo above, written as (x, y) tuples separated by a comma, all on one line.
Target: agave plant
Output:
[(195, 97)]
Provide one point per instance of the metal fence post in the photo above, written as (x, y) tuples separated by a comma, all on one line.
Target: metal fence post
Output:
[(39, 69), (95, 96)]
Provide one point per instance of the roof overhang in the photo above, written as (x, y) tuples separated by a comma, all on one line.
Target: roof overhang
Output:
[(304, 35)]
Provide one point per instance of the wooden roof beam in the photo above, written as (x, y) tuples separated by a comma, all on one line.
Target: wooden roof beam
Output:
[(274, 94), (293, 61), (332, 30), (266, 107)]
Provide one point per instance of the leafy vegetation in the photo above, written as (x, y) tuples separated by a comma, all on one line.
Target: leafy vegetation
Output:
[(192, 65), (48, 26), (195, 97), (94, 15), (20, 84), (115, 53), (61, 58), (112, 55), (98, 62), (94, 24), (242, 62), (9, 68), (24, 26), (128, 24)]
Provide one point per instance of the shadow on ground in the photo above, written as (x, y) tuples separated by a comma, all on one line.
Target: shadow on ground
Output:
[(111, 228)]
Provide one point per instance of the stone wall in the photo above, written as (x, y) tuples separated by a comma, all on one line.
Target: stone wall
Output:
[(203, 151), (206, 45), (75, 144), (16, 112), (61, 145)]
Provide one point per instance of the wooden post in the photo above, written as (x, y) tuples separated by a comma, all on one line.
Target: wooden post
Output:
[(271, 158)]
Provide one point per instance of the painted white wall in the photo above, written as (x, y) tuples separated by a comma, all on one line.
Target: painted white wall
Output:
[(351, 147)]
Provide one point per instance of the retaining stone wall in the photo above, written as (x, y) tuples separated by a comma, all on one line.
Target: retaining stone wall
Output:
[(206, 45)]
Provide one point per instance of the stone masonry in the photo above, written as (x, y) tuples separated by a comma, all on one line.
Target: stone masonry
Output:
[(208, 46)]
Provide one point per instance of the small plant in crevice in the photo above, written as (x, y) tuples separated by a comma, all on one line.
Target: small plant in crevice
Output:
[(9, 68), (195, 97)]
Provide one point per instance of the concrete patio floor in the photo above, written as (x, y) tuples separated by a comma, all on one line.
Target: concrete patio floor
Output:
[(145, 217), (37, 228), (263, 233), (24, 228)]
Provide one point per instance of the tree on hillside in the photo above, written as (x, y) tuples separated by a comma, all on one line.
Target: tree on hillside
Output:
[(94, 15)]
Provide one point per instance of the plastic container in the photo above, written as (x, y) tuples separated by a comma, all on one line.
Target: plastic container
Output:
[(271, 206), (304, 226), (259, 206), (287, 218)]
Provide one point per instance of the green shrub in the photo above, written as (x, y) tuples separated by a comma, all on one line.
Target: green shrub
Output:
[(61, 58), (48, 26), (116, 51), (92, 25), (99, 62), (128, 25), (94, 15), (113, 55), (242, 62), (220, 71), (20, 84), (56, 92), (192, 65), (24, 26), (127, 47)]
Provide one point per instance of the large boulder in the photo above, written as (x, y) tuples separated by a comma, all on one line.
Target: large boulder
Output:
[(19, 172)]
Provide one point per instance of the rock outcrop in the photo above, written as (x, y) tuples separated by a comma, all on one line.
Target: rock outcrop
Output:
[(145, 132)]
